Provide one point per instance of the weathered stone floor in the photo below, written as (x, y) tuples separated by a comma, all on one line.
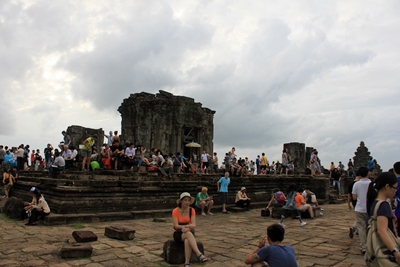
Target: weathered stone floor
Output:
[(226, 238)]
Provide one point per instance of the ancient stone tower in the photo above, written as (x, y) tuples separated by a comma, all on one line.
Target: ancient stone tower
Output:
[(166, 122), (361, 158)]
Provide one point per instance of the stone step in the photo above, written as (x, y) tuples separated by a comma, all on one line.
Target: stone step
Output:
[(58, 219)]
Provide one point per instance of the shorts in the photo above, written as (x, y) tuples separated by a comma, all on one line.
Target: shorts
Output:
[(303, 207), (205, 164), (86, 153), (224, 197), (199, 206)]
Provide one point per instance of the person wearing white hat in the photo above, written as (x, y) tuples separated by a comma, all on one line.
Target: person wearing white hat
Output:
[(242, 200), (184, 220)]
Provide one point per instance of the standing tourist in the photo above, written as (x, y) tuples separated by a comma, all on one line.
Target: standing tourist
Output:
[(360, 189), (215, 160), (263, 163), (184, 221), (258, 164), (336, 176), (67, 139), (314, 163), (109, 138), (8, 182), (285, 162), (222, 187), (48, 152), (87, 151), (227, 162), (2, 154), (396, 171), (371, 166), (204, 160), (351, 203), (20, 157), (378, 192)]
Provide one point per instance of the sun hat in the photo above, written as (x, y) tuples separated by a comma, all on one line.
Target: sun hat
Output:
[(243, 188), (185, 194)]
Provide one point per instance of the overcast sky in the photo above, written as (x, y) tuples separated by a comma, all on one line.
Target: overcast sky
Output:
[(324, 73)]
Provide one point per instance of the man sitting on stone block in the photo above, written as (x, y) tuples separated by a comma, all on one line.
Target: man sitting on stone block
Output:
[(274, 255), (242, 200), (204, 200)]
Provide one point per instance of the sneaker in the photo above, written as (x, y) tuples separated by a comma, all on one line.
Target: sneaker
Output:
[(210, 213), (4, 196), (351, 232), (321, 209), (321, 213), (281, 223), (282, 217), (203, 214), (303, 223)]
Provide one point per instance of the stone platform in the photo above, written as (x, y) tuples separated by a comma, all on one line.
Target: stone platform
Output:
[(227, 238), (76, 197)]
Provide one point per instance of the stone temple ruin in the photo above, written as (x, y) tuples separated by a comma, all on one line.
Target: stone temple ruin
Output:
[(361, 158), (166, 122)]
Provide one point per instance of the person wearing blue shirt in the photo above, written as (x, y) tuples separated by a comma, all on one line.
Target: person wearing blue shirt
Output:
[(222, 186), (276, 254), (371, 166)]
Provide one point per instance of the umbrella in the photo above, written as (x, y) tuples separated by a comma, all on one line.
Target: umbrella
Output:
[(193, 144)]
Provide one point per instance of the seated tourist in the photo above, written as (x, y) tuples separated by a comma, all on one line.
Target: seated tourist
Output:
[(274, 255), (106, 156), (204, 200), (117, 153), (167, 167), (278, 167), (235, 167), (311, 198), (38, 206), (278, 199), (67, 155), (8, 182), (130, 156), (242, 200), (243, 168), (184, 222), (58, 164), (301, 204)]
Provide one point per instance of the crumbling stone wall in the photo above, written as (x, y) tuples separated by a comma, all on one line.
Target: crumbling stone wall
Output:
[(297, 153), (79, 134), (167, 122)]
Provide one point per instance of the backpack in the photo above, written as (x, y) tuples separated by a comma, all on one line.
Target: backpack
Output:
[(279, 198), (376, 249)]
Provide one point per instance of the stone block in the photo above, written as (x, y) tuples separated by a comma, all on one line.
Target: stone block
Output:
[(306, 214), (76, 251), (235, 209), (84, 236), (174, 252), (119, 232), (276, 212), (13, 207)]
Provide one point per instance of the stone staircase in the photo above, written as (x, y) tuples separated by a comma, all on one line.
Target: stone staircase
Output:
[(77, 197)]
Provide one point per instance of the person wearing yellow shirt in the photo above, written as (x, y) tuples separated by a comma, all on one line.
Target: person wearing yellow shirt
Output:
[(263, 163)]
